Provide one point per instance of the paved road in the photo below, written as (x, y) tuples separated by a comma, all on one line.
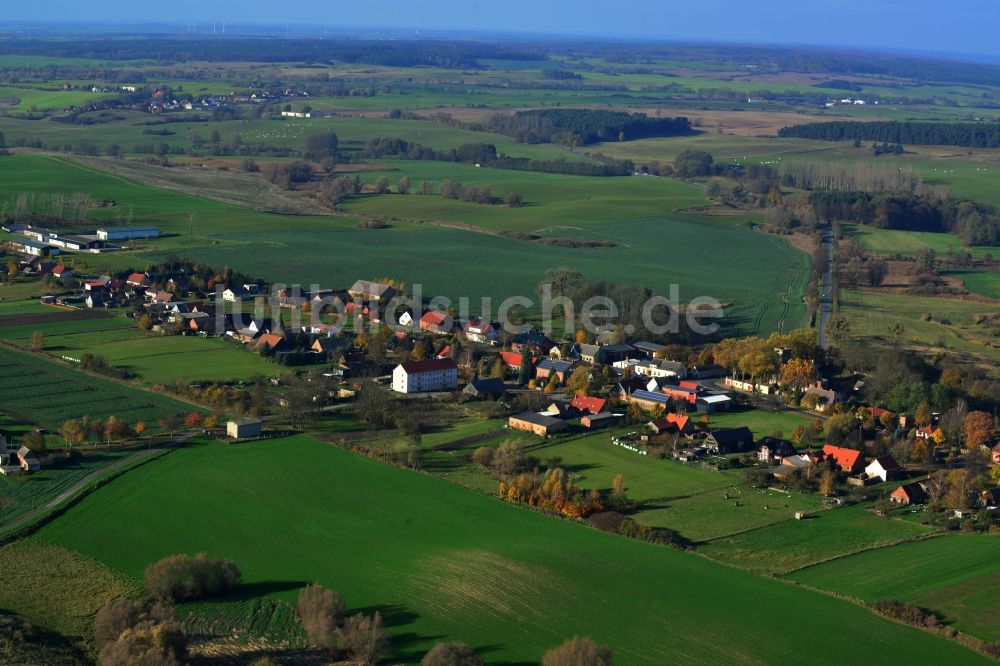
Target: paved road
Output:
[(87, 480), (825, 287)]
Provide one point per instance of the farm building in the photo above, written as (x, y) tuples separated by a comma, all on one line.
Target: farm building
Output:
[(428, 375), (590, 404), (127, 233), (437, 322), (883, 467), (486, 389), (847, 460), (77, 243), (547, 367), (33, 248), (689, 396), (824, 398), (538, 424), (709, 404), (371, 291), (243, 428), (599, 420), (730, 440), (653, 368), (649, 399), (647, 349), (9, 464)]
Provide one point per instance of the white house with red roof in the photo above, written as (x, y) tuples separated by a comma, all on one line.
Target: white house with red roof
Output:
[(436, 322), (433, 374)]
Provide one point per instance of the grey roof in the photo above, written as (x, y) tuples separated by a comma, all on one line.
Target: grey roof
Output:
[(554, 365), (732, 435), (538, 419), (492, 385), (650, 396), (647, 346), (246, 421)]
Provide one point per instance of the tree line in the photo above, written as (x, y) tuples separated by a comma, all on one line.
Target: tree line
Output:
[(582, 126), (968, 135)]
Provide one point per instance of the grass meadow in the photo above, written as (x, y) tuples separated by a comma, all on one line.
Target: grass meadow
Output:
[(953, 575), (441, 563)]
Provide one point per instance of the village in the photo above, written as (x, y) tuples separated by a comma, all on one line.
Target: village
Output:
[(649, 396)]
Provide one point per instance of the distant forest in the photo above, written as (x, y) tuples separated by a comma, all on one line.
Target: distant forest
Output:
[(967, 135), (582, 126)]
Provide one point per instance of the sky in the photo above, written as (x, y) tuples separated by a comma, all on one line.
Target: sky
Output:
[(955, 26)]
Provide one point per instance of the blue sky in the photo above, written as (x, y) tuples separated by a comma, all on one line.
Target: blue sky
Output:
[(958, 26)]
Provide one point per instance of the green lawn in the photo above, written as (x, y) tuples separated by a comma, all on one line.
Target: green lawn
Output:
[(797, 543), (892, 241), (445, 564), (760, 421), (954, 575)]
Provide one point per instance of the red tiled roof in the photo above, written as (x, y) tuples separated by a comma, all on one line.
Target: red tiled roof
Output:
[(435, 318), (429, 365), (844, 458), (271, 341), (512, 358), (445, 351), (589, 404), (680, 420), (877, 412)]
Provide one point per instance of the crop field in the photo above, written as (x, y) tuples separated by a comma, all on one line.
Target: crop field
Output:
[(798, 543), (442, 563), (46, 393), (954, 575), (58, 588), (21, 494), (952, 322)]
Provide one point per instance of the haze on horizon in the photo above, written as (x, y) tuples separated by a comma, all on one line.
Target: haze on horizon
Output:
[(960, 27)]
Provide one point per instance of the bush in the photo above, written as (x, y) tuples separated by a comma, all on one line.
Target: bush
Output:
[(578, 652), (451, 654), (181, 577), (320, 611), (115, 617), (148, 643), (908, 613), (483, 456)]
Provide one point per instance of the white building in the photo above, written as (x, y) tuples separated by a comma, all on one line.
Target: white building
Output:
[(126, 233), (243, 428), (653, 368), (421, 376)]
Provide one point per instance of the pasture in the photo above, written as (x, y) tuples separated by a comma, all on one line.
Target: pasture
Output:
[(893, 241), (929, 322), (760, 421), (982, 283), (47, 394), (441, 563), (792, 544), (953, 575)]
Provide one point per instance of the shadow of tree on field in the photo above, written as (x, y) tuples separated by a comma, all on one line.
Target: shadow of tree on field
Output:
[(263, 588)]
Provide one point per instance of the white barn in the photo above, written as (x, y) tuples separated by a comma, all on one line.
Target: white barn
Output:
[(126, 233), (435, 374)]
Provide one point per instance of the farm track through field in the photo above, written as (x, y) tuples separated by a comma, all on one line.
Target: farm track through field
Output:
[(759, 318), (786, 297)]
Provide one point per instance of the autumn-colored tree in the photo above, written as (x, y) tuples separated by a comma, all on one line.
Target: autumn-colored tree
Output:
[(211, 421), (798, 373), (73, 432), (581, 336), (451, 654), (363, 639), (922, 452), (140, 427), (145, 322), (923, 415), (828, 483), (938, 436), (192, 419), (320, 611), (38, 341), (978, 428), (579, 381)]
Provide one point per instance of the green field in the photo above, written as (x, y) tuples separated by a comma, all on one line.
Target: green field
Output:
[(952, 324), (892, 241), (954, 575), (798, 543), (47, 393), (979, 282), (655, 247), (760, 421), (442, 563)]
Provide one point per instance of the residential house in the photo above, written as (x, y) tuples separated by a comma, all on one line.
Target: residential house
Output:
[(709, 404), (423, 376), (243, 428), (850, 461), (791, 464), (825, 398), (707, 371), (481, 331), (485, 389), (547, 367), (270, 342), (649, 400), (9, 463), (771, 449), (909, 493), (533, 341), (590, 404), (625, 387), (656, 368), (561, 409), (537, 424), (62, 271), (406, 319), (730, 440), (234, 294), (989, 499), (883, 467), (671, 423), (28, 460), (925, 432), (436, 322), (328, 345)]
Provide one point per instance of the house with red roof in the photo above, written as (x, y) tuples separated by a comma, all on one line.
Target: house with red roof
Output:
[(437, 322), (672, 423), (61, 271), (586, 403), (909, 493), (138, 280), (851, 461), (925, 432)]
